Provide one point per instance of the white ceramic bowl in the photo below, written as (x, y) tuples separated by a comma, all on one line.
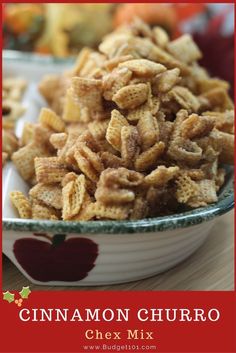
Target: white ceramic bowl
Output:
[(107, 252)]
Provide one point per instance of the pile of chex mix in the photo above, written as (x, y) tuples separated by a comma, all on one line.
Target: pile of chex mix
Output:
[(137, 129)]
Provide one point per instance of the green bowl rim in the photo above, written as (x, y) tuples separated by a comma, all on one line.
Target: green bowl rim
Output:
[(181, 220)]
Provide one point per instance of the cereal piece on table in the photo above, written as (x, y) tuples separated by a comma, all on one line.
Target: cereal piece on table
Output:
[(73, 194), (15, 94), (50, 195), (140, 208), (58, 140), (14, 87), (131, 96), (160, 36), (101, 211), (21, 203), (9, 142), (113, 133), (206, 194), (148, 130), (196, 126), (88, 93), (184, 49), (114, 81), (143, 67), (186, 188), (165, 81), (8, 124), (4, 158), (41, 211), (184, 98), (48, 118), (11, 110), (130, 142), (24, 159), (148, 159), (161, 175), (49, 170)]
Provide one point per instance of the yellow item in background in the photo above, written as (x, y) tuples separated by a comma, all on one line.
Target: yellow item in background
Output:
[(69, 27)]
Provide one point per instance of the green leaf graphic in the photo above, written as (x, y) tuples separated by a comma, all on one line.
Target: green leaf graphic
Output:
[(9, 297), (25, 292)]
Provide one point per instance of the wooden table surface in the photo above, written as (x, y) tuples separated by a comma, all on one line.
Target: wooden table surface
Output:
[(210, 268)]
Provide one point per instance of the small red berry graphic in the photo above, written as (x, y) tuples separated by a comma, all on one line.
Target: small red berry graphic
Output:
[(19, 302)]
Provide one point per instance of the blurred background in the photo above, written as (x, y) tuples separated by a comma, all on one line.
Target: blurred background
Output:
[(62, 30)]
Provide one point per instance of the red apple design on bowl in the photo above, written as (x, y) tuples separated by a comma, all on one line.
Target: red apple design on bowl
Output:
[(60, 260)]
